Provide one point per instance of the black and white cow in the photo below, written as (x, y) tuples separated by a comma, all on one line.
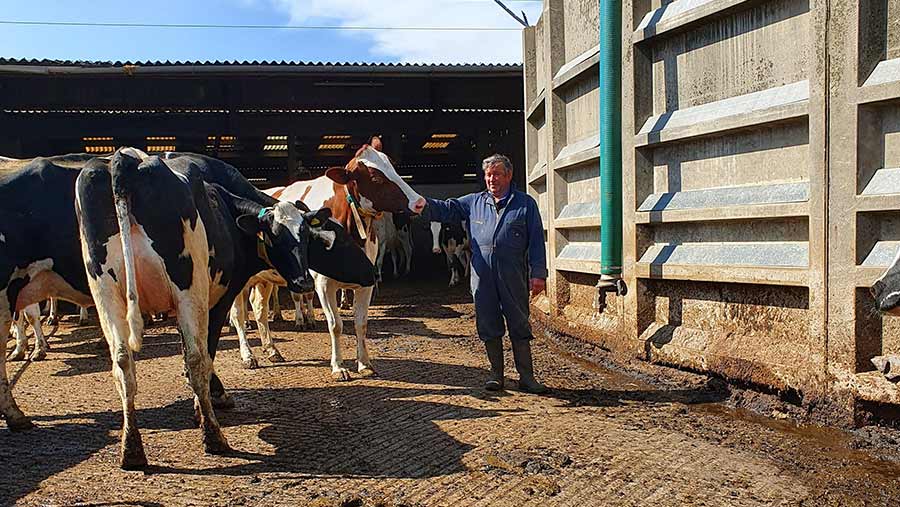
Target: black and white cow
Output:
[(157, 237), (345, 262), (454, 242), (394, 237), (40, 254)]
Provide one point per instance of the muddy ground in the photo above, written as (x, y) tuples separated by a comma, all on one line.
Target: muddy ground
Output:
[(422, 432)]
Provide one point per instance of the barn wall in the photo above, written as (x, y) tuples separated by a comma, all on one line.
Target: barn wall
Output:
[(761, 182)]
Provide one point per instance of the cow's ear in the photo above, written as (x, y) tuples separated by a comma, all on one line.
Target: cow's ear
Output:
[(249, 224), (300, 205), (339, 175), (318, 217)]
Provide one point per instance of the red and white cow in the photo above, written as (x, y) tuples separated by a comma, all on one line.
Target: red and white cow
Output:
[(355, 194)]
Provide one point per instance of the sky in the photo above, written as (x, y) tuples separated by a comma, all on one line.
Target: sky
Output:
[(178, 44)]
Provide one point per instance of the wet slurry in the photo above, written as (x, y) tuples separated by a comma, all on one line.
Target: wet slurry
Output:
[(421, 432)]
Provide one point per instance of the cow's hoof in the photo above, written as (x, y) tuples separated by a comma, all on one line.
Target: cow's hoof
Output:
[(342, 375), (20, 423), (367, 372), (38, 355), (224, 401), (275, 357), (277, 318), (134, 462), (250, 364), (133, 457), (214, 443), (17, 355)]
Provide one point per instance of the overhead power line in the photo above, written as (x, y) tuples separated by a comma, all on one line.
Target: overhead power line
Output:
[(260, 27)]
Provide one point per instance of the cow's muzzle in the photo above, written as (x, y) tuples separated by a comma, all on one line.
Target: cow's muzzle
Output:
[(301, 284)]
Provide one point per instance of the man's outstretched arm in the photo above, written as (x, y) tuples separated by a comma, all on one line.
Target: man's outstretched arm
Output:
[(449, 211)]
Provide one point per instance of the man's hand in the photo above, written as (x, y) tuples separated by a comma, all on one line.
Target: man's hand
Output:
[(537, 285)]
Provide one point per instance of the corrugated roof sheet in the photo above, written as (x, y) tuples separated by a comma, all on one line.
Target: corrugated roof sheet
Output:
[(236, 63)]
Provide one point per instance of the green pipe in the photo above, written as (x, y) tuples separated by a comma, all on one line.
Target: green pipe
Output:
[(611, 137)]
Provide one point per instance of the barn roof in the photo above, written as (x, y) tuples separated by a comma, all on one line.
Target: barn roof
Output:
[(48, 66)]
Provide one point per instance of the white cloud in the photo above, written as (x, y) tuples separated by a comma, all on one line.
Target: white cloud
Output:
[(420, 46)]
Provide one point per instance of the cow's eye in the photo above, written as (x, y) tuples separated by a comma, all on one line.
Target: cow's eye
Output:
[(377, 180)]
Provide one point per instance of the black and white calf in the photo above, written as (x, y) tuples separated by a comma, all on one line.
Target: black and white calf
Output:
[(156, 238), (454, 242)]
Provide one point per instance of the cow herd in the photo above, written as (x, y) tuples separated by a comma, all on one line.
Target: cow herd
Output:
[(187, 235)]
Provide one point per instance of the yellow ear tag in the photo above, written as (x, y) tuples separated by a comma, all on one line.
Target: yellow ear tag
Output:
[(314, 222)]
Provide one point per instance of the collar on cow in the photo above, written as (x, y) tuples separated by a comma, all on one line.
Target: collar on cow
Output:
[(262, 241)]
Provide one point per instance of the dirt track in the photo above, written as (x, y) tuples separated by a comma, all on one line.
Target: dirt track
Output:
[(421, 433)]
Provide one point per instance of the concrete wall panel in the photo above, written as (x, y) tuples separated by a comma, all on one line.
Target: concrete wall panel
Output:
[(775, 155), (734, 55), (582, 27)]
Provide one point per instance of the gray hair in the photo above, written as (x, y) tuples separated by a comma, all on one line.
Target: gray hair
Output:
[(497, 159)]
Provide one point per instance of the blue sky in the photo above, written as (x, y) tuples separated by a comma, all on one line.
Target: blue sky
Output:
[(99, 43)]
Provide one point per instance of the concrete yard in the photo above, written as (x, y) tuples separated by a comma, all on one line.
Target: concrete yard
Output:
[(422, 432)]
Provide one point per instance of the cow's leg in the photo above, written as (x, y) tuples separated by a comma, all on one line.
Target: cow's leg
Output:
[(193, 323), (15, 419), (328, 299), (395, 259), (259, 298), (18, 331), (454, 276), (276, 306), (303, 314), (112, 313), (346, 299), (361, 321), (83, 317), (379, 260), (308, 312), (299, 322), (238, 317), (218, 315), (53, 318), (33, 316), (408, 251)]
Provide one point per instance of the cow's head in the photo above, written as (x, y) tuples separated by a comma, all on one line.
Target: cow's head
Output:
[(283, 233), (379, 186), (886, 290)]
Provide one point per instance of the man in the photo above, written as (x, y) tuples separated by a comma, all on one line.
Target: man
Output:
[(508, 260)]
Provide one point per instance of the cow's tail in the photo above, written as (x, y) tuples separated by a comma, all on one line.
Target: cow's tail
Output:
[(123, 168)]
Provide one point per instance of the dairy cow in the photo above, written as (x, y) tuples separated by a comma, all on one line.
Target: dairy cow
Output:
[(355, 194), (40, 254), (452, 240), (393, 237), (160, 235)]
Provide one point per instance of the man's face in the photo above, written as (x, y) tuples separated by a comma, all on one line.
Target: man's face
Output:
[(497, 179)]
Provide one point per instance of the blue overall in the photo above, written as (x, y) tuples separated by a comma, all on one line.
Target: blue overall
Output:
[(507, 250)]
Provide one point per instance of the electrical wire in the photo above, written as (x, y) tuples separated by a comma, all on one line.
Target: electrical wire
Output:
[(256, 27)]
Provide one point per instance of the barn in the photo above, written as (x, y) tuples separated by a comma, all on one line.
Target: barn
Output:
[(276, 121)]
